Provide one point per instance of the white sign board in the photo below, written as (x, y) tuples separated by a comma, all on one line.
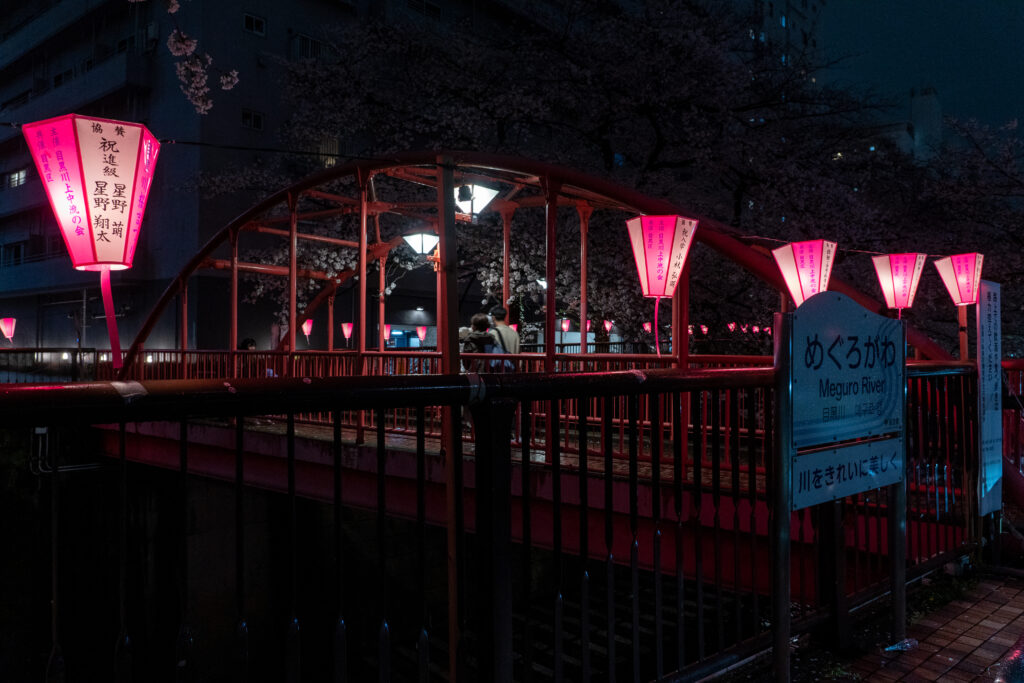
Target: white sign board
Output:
[(990, 405), (821, 476), (847, 372)]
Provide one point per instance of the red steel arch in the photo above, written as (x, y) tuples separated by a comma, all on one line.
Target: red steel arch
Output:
[(553, 186)]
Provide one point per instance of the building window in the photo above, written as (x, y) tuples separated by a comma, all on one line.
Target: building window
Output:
[(252, 119), (426, 8), (254, 24), (13, 254), (309, 48), (328, 152), (17, 178)]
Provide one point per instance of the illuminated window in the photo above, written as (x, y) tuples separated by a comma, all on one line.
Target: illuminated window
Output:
[(252, 119), (17, 178), (254, 24)]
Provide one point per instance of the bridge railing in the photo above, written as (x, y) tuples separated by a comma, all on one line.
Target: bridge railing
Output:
[(636, 542)]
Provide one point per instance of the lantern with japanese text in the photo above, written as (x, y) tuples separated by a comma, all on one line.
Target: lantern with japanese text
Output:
[(97, 174), (961, 274), (7, 327), (898, 276), (660, 245), (805, 267)]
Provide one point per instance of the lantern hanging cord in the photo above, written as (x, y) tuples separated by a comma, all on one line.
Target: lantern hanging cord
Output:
[(10, 124)]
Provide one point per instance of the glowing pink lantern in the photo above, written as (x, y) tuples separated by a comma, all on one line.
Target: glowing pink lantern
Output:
[(421, 332), (744, 328), (660, 245), (97, 174), (647, 327), (346, 329), (731, 326), (565, 324), (588, 326), (608, 326), (689, 328), (755, 329), (307, 327), (387, 331), (806, 267), (515, 326), (961, 274), (704, 330), (898, 276), (7, 327)]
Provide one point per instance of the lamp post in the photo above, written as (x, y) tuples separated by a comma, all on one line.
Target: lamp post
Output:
[(97, 174), (660, 245), (961, 274), (805, 267), (898, 276)]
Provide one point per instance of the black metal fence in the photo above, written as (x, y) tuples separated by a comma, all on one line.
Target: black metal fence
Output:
[(477, 561)]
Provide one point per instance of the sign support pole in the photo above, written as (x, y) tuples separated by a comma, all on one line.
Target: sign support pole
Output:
[(782, 499)]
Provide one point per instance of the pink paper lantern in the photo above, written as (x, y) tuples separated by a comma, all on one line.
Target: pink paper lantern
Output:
[(307, 327), (421, 332), (387, 331), (7, 327), (97, 174), (755, 329), (565, 324), (647, 327), (704, 330), (731, 326), (660, 245), (805, 267), (745, 328), (515, 326), (346, 329), (898, 276), (588, 326), (689, 329), (961, 274), (608, 326)]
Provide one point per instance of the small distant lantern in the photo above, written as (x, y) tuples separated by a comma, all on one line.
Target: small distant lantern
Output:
[(689, 330), (755, 329), (515, 326), (307, 327), (7, 327), (608, 326), (588, 326), (647, 327), (660, 245), (744, 329), (704, 330), (805, 267), (898, 276), (387, 332), (565, 324), (97, 174), (421, 332), (346, 329), (961, 274), (731, 326)]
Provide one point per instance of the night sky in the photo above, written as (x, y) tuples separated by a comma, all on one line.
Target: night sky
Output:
[(971, 51)]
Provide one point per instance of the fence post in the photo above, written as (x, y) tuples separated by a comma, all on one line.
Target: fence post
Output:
[(493, 578), (781, 500)]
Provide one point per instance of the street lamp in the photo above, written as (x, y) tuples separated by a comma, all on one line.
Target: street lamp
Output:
[(97, 174), (898, 276), (961, 274), (472, 199), (805, 267), (422, 242), (660, 245)]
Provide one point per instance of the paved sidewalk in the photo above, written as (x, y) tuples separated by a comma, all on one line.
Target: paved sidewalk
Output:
[(961, 641)]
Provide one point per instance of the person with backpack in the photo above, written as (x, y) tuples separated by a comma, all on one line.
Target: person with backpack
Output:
[(479, 340), (506, 337)]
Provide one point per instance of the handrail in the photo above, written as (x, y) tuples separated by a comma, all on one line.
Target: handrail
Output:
[(108, 402)]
